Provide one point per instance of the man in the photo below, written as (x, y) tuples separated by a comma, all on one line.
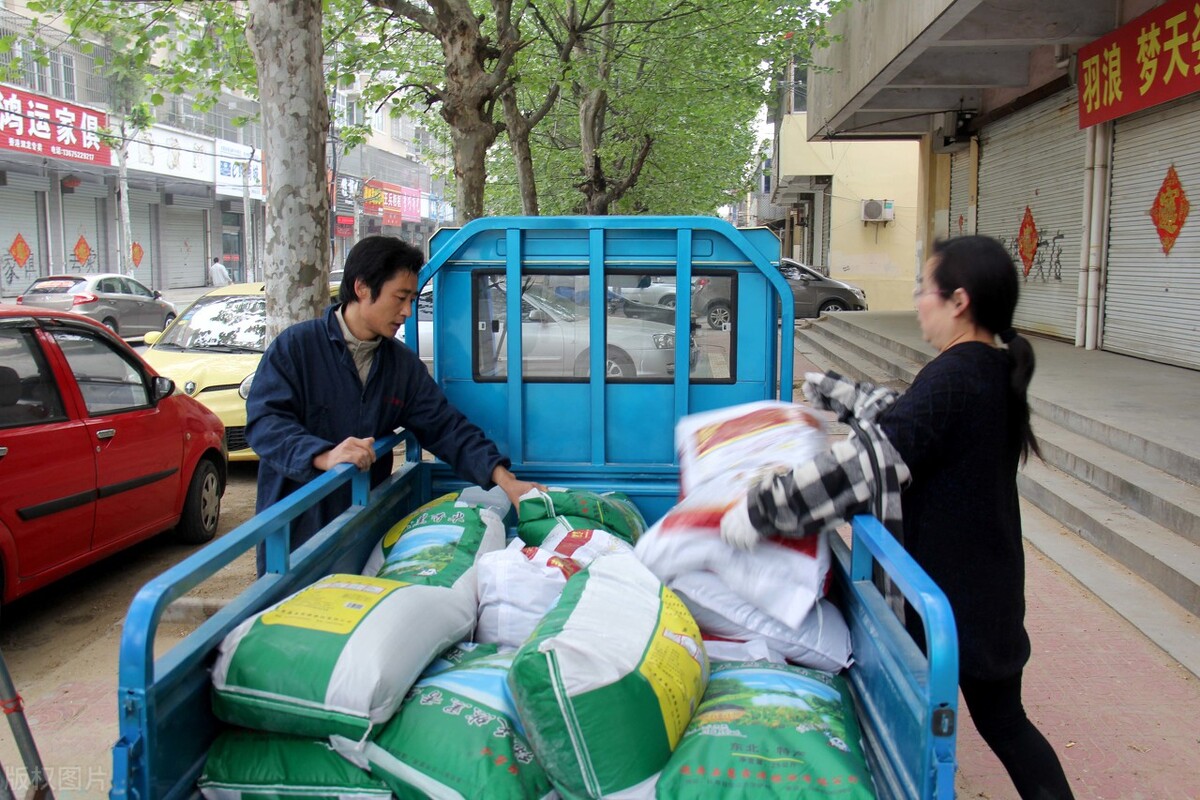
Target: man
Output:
[(326, 388), (217, 274)]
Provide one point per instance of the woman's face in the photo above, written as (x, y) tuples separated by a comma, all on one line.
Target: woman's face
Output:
[(935, 313)]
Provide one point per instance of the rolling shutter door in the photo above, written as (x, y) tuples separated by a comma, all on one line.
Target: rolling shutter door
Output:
[(140, 229), (960, 187), (1035, 159), (183, 248), (19, 204), (85, 250), (1152, 299)]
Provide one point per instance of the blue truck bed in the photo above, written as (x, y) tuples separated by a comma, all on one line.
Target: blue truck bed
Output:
[(580, 418)]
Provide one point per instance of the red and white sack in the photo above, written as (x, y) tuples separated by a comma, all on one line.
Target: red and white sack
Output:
[(584, 545), (782, 577), (517, 586), (820, 641), (726, 449)]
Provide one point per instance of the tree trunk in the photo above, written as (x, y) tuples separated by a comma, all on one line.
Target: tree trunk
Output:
[(518, 140), (125, 259), (285, 37)]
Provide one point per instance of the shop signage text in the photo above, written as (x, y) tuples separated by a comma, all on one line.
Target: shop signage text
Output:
[(47, 127), (396, 203), (1153, 59)]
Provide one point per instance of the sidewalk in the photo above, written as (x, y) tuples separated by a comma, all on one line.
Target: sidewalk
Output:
[(1120, 712)]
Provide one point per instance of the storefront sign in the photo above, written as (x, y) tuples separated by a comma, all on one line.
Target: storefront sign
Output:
[(43, 126), (343, 226), (231, 162), (1153, 59), (397, 204), (169, 152)]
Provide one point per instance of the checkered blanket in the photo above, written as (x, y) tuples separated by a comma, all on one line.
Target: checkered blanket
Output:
[(862, 473)]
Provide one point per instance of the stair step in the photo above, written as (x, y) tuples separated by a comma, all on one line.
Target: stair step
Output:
[(834, 353), (1158, 555), (1163, 498)]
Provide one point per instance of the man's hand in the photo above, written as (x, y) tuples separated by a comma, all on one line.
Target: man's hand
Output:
[(736, 529), (512, 486), (359, 452)]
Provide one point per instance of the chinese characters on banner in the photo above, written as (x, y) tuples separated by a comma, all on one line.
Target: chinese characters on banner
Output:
[(396, 203), (47, 127), (1153, 59)]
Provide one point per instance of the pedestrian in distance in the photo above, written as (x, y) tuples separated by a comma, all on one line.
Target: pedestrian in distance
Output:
[(952, 444), (327, 388), (217, 274)]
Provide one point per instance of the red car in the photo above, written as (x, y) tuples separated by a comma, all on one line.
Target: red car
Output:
[(97, 451)]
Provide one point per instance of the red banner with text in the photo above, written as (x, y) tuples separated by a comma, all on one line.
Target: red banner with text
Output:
[(43, 126), (1148, 61), (396, 204)]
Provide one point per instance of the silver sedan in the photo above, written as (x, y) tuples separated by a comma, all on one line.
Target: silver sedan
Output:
[(118, 301)]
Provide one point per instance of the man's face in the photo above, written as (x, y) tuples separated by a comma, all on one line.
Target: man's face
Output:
[(384, 315)]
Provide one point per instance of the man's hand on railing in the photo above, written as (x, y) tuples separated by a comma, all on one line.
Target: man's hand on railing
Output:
[(359, 452)]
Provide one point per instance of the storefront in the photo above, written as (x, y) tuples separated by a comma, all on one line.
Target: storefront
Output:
[(1031, 174), (1151, 278), (24, 254)]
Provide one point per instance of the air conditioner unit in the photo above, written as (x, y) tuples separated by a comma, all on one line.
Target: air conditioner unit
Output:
[(878, 210)]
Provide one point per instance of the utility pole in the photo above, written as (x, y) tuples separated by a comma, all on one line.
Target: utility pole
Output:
[(248, 217)]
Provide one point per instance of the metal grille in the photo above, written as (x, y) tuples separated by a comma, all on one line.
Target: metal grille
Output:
[(235, 439), (960, 189), (1035, 159), (1152, 299)]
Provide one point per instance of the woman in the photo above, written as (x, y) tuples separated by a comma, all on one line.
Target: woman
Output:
[(959, 432)]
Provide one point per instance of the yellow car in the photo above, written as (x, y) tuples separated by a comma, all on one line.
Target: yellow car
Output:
[(211, 351)]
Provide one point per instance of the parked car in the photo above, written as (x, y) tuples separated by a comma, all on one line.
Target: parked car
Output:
[(212, 352), (97, 451), (120, 302), (656, 291), (555, 337), (813, 294)]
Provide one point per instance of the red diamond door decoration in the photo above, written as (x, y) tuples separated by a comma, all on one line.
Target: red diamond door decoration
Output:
[(1027, 241), (1170, 210), (137, 252), (19, 250), (82, 251)]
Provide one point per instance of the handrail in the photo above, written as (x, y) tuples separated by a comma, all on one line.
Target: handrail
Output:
[(271, 525)]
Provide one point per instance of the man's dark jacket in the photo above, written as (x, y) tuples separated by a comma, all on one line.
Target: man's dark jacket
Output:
[(307, 397)]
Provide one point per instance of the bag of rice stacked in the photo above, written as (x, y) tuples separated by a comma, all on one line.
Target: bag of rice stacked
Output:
[(722, 450), (609, 680), (457, 735), (767, 731), (442, 539), (517, 586), (246, 764), (583, 545), (540, 512), (338, 656), (820, 641)]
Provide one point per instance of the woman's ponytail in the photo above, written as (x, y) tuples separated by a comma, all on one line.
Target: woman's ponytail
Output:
[(1020, 354)]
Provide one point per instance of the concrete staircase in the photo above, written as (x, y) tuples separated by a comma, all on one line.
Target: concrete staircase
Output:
[(1133, 500)]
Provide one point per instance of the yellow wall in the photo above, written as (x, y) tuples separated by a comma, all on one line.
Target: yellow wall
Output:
[(881, 259)]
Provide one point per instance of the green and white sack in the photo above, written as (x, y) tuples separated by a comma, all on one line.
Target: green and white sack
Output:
[(337, 657), (437, 543), (609, 680), (246, 764), (765, 731), (541, 512), (456, 736)]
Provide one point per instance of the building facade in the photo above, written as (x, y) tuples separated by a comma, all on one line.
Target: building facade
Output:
[(195, 179), (1065, 130)]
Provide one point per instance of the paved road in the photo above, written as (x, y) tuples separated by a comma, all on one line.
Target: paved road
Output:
[(61, 647)]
